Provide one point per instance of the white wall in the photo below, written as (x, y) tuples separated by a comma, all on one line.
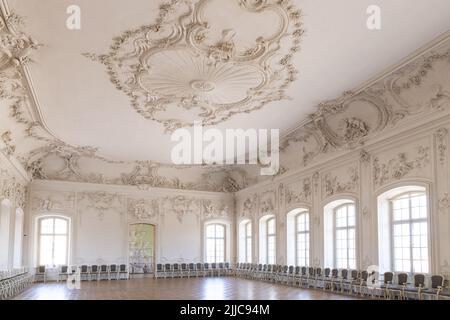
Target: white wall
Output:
[(412, 157), (100, 216)]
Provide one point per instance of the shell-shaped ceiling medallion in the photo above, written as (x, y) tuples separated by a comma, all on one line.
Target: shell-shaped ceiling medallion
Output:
[(206, 60)]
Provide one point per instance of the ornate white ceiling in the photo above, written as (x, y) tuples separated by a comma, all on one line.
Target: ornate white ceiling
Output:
[(106, 97), (195, 62)]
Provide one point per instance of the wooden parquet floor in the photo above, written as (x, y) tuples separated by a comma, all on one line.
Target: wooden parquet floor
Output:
[(226, 288)]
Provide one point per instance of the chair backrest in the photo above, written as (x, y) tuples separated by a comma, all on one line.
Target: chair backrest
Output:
[(318, 271), (183, 266), (402, 278), (64, 269), (103, 268), (159, 267), (199, 266), (419, 280), (123, 268), (311, 271), (388, 277), (327, 272), (206, 266), (304, 271), (285, 269), (364, 275), (94, 268), (191, 266), (297, 270), (176, 266), (84, 268), (167, 267), (334, 273), (221, 265), (344, 273), (113, 268), (213, 265), (291, 269), (437, 281), (354, 274), (41, 269)]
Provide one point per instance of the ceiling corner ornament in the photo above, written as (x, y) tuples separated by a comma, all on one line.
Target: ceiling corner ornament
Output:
[(190, 62)]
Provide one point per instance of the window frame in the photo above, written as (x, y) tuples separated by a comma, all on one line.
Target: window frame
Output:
[(410, 222), (308, 235), (335, 229), (215, 238), (40, 234)]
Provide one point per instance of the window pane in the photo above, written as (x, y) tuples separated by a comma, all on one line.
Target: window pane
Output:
[(47, 226), (411, 235), (46, 250), (220, 231), (210, 231), (271, 226), (60, 226), (60, 244)]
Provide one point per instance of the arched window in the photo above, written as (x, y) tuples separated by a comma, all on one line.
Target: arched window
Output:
[(345, 236), (340, 229), (302, 239), (267, 239), (271, 241), (403, 237), (410, 232), (215, 243), (297, 227), (53, 241), (245, 241)]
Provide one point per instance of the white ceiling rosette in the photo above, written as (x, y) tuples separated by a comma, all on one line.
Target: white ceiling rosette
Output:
[(206, 60)]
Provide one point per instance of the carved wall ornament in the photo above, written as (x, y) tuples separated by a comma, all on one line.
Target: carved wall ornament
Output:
[(267, 203), (215, 76), (143, 209), (182, 205), (364, 156), (332, 184), (249, 206), (53, 202), (366, 212), (444, 203), (297, 195), (12, 190), (101, 202), (214, 210), (441, 137), (9, 148), (400, 166)]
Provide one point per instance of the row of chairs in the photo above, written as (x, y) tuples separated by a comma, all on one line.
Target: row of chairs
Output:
[(13, 281), (353, 282), (188, 270), (86, 272)]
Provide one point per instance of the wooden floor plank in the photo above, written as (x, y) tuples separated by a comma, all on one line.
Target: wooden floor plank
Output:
[(175, 289)]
